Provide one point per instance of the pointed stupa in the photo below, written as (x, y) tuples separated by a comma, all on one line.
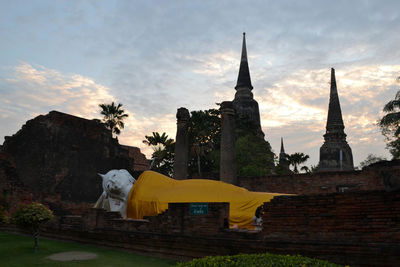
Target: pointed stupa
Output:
[(244, 72), (335, 120), (282, 148), (335, 154), (282, 154), (244, 103), (282, 157)]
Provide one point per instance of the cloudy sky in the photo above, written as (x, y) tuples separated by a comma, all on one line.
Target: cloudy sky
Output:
[(157, 56)]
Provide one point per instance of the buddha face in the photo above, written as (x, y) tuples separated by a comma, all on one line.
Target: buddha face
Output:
[(117, 183)]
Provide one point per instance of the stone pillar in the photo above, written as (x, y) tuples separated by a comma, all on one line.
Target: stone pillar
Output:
[(227, 171), (181, 144)]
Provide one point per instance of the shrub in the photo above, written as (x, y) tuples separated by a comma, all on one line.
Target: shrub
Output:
[(4, 217), (31, 216), (266, 259)]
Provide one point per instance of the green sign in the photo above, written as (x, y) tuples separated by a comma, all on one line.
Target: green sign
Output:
[(198, 208)]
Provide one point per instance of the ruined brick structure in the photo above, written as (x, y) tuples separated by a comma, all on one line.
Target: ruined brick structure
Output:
[(56, 158), (227, 163), (335, 153), (181, 144)]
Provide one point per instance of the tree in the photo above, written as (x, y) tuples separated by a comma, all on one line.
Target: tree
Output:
[(297, 159), (163, 152), (253, 156), (113, 117), (204, 141), (390, 124), (31, 216), (370, 159), (4, 217), (305, 169), (4, 206)]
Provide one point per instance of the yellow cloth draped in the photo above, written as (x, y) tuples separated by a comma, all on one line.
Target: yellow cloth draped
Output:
[(153, 191)]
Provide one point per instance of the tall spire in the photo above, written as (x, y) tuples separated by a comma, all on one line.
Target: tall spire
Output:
[(335, 154), (282, 154), (335, 121), (283, 162), (244, 102), (244, 73), (282, 148)]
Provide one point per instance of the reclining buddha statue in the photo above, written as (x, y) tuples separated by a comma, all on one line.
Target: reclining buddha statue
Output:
[(151, 193)]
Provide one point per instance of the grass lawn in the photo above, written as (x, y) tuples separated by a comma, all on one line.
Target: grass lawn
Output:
[(16, 250)]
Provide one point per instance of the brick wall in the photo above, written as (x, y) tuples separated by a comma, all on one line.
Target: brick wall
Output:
[(374, 178), (175, 220), (353, 228), (356, 228)]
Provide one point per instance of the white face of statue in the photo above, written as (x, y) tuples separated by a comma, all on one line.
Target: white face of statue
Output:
[(117, 183)]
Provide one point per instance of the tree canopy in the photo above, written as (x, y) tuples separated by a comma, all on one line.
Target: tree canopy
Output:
[(31, 216), (204, 141), (113, 117), (254, 156), (296, 159), (163, 152), (390, 124), (370, 159)]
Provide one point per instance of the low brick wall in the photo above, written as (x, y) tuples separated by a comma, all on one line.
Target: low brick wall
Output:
[(173, 234), (380, 176), (353, 228), (356, 228)]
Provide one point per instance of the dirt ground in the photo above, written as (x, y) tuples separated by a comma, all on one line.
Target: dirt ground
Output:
[(72, 256)]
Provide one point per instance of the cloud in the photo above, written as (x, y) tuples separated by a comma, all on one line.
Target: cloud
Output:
[(155, 57), (33, 90), (36, 89), (296, 108)]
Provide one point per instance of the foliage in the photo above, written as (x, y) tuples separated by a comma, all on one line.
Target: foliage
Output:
[(4, 206), (163, 152), (4, 216), (253, 156), (370, 159), (390, 125), (31, 216), (296, 159), (266, 259), (15, 251), (305, 169), (113, 117), (253, 153), (204, 141)]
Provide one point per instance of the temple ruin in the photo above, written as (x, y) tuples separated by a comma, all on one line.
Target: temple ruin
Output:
[(244, 102), (335, 153)]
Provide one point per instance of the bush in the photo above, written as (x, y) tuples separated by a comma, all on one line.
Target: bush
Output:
[(30, 216), (4, 217), (266, 259)]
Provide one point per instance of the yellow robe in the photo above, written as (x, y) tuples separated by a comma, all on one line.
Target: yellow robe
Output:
[(153, 191)]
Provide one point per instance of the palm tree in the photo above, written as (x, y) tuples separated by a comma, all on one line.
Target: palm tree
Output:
[(390, 124), (156, 139), (297, 159), (113, 117), (163, 152)]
